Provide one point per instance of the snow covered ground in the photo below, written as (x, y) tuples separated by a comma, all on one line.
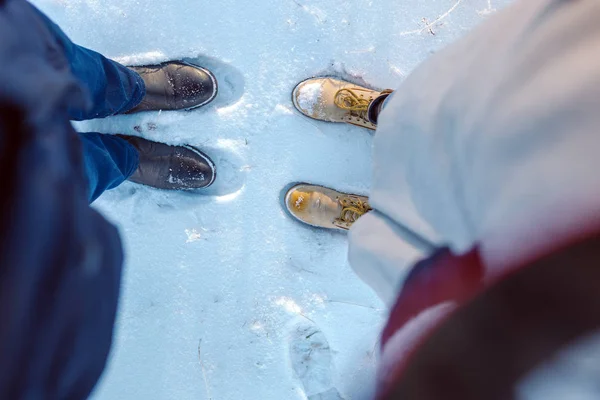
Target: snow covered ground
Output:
[(217, 286)]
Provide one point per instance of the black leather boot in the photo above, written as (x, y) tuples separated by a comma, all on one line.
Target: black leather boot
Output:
[(175, 86), (171, 167)]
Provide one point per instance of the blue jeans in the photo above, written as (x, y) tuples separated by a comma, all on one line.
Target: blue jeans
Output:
[(114, 89)]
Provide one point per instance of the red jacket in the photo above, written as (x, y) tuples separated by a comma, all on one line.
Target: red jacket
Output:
[(491, 335)]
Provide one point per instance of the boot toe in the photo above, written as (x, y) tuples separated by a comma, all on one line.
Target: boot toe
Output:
[(311, 205), (296, 200), (307, 98), (195, 169), (195, 86)]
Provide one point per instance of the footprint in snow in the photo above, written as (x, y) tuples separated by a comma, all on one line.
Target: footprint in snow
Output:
[(311, 360)]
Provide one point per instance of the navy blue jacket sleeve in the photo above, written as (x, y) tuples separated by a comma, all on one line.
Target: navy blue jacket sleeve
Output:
[(60, 261)]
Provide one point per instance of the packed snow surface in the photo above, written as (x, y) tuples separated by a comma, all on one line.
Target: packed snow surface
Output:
[(219, 286)]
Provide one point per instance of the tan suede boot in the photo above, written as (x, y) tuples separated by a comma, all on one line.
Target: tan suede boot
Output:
[(333, 100), (325, 208)]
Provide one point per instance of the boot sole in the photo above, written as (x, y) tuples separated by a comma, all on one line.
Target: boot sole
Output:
[(214, 83), (208, 160)]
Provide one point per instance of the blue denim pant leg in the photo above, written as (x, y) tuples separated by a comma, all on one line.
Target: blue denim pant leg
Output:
[(114, 89), (108, 161)]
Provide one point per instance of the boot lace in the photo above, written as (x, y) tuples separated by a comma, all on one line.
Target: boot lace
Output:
[(351, 100), (352, 209)]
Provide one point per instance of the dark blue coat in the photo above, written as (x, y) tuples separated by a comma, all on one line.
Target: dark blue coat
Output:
[(60, 261)]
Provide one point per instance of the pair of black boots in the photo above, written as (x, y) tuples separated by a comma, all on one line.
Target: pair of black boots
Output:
[(173, 86)]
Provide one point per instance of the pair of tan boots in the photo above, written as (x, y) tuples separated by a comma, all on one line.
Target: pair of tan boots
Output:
[(332, 100)]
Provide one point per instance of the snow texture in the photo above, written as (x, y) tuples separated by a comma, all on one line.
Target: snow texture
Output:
[(213, 280), (309, 99)]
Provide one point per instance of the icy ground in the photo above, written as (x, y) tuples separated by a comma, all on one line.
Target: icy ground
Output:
[(219, 287)]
